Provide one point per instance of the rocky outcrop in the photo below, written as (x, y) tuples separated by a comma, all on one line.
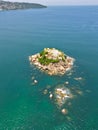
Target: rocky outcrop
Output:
[(52, 61)]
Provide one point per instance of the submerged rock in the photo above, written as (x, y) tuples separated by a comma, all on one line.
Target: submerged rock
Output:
[(45, 91), (79, 78), (66, 82), (68, 118)]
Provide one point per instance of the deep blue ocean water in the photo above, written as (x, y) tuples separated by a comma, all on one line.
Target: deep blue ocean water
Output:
[(23, 105)]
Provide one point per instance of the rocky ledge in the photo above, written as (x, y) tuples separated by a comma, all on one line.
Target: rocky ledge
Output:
[(52, 61)]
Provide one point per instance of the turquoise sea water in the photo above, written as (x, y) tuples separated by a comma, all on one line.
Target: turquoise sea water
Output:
[(23, 105)]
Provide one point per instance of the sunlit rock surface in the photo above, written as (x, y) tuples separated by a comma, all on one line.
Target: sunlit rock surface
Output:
[(52, 61), (62, 94)]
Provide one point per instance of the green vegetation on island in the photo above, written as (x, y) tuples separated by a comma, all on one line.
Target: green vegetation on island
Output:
[(52, 55)]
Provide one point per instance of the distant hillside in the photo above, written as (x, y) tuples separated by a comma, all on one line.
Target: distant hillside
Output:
[(6, 5)]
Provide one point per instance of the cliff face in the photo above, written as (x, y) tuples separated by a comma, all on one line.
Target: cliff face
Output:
[(6, 5)]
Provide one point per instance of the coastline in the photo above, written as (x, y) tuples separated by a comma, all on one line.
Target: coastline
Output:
[(6, 5)]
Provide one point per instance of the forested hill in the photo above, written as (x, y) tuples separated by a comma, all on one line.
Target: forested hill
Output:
[(6, 5)]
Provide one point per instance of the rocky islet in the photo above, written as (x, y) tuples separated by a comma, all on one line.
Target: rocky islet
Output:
[(52, 61)]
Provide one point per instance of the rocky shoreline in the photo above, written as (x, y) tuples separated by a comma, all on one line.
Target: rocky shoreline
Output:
[(62, 63)]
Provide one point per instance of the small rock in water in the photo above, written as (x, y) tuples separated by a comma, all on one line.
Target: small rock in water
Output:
[(69, 74), (79, 78), (64, 111), (48, 86), (62, 95), (66, 82), (35, 81), (51, 95), (33, 78), (45, 91), (79, 92)]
